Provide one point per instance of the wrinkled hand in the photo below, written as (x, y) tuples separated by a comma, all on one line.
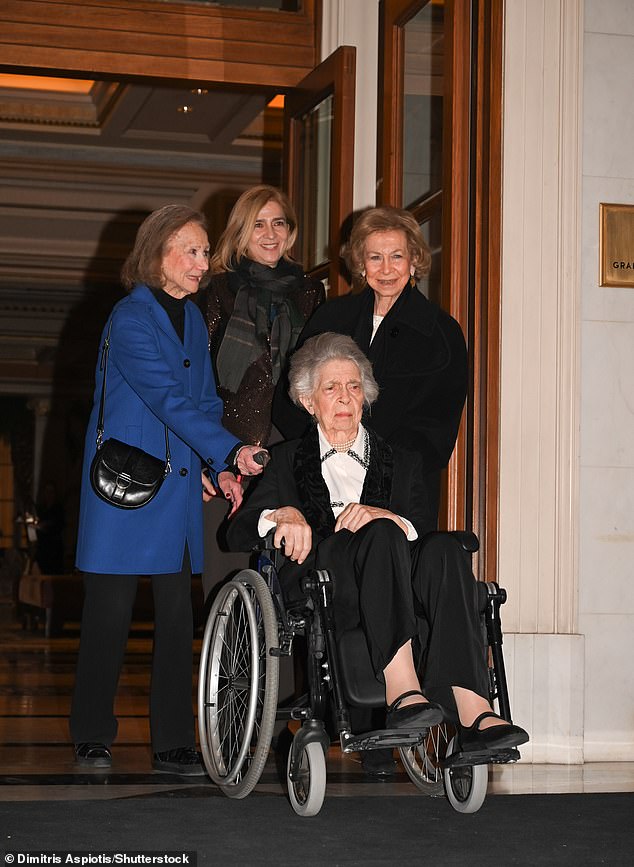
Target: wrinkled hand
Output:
[(293, 531), (356, 515), (245, 463), (231, 488)]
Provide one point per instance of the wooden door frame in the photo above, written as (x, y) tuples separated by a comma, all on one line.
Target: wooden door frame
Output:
[(471, 231), (336, 76), (176, 41)]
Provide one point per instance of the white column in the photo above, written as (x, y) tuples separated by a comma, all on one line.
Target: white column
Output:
[(540, 378), (356, 22)]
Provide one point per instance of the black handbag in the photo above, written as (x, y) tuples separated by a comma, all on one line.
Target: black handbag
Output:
[(124, 475)]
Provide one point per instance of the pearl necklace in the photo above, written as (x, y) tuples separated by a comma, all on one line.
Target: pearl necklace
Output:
[(343, 447)]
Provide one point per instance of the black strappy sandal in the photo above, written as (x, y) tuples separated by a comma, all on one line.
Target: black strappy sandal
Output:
[(493, 738), (421, 715)]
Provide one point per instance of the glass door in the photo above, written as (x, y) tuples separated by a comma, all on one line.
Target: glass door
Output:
[(439, 155), (319, 158)]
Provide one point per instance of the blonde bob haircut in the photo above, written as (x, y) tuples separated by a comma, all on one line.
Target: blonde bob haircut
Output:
[(234, 241), (308, 360), (145, 261), (386, 219)]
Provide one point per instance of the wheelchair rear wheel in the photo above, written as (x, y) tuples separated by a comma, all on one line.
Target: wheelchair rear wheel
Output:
[(238, 684), (466, 786), (307, 793), (423, 763)]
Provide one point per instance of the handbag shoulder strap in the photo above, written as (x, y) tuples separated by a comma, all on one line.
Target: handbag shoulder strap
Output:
[(103, 365)]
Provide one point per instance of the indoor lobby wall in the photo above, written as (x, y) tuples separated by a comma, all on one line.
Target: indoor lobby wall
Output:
[(606, 588)]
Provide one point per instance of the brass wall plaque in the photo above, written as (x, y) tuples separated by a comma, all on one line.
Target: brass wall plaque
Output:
[(616, 245)]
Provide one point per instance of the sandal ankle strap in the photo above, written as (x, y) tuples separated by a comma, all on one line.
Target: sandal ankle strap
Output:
[(487, 714), (397, 701)]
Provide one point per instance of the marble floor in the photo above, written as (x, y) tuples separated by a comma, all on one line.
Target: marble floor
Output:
[(36, 759)]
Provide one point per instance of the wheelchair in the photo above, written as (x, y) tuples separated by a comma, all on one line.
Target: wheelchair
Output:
[(251, 626)]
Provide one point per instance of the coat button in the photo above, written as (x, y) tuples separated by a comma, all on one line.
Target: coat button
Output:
[(187, 363), (394, 332), (183, 471)]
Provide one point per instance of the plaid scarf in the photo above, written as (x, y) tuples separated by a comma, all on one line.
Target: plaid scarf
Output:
[(264, 313)]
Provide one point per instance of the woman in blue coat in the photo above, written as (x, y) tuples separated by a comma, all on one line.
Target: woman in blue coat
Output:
[(158, 375)]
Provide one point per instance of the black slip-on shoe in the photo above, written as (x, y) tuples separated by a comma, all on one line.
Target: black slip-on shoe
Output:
[(181, 760), (495, 738), (412, 717), (93, 755)]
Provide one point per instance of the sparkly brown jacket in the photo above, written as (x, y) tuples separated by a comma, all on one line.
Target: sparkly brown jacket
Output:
[(247, 413)]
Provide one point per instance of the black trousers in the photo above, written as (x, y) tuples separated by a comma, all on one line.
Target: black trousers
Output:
[(399, 591), (105, 625)]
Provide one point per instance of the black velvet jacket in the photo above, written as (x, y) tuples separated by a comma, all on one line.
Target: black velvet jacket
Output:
[(394, 481)]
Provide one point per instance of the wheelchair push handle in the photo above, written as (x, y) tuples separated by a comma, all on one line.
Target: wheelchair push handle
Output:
[(262, 457)]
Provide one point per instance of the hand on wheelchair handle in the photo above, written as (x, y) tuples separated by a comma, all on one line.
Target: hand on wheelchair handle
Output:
[(251, 460)]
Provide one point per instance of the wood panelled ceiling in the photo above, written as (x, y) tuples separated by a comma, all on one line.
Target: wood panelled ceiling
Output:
[(108, 109)]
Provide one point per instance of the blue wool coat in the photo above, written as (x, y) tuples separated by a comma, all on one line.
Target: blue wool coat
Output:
[(154, 379)]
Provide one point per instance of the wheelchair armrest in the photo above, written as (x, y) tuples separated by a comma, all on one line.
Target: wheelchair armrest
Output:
[(265, 543), (467, 539), (266, 550)]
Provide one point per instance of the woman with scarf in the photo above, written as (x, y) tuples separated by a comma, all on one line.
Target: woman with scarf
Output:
[(256, 305)]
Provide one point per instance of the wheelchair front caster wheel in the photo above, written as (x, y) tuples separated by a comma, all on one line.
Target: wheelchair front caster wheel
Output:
[(466, 786), (308, 791)]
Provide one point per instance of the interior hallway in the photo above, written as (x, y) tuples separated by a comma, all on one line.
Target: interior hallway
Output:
[(36, 759)]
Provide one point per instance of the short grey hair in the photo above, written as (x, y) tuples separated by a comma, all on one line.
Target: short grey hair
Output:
[(307, 361)]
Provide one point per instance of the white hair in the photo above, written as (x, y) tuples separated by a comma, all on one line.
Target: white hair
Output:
[(307, 361)]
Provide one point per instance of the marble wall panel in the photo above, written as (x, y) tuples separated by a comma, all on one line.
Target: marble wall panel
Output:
[(609, 687), (606, 509), (607, 395), (613, 16), (608, 115), (606, 542)]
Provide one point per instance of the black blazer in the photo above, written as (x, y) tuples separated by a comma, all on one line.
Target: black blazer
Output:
[(419, 359), (394, 481)]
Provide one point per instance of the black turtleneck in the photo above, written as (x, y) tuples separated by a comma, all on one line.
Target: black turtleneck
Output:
[(175, 309)]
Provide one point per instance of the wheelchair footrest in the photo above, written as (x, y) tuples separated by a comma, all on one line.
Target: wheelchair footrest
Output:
[(486, 757), (380, 739)]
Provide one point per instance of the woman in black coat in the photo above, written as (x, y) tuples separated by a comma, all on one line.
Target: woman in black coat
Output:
[(418, 351)]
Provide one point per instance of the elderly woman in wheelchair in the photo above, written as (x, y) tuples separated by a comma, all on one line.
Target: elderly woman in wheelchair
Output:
[(343, 501)]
